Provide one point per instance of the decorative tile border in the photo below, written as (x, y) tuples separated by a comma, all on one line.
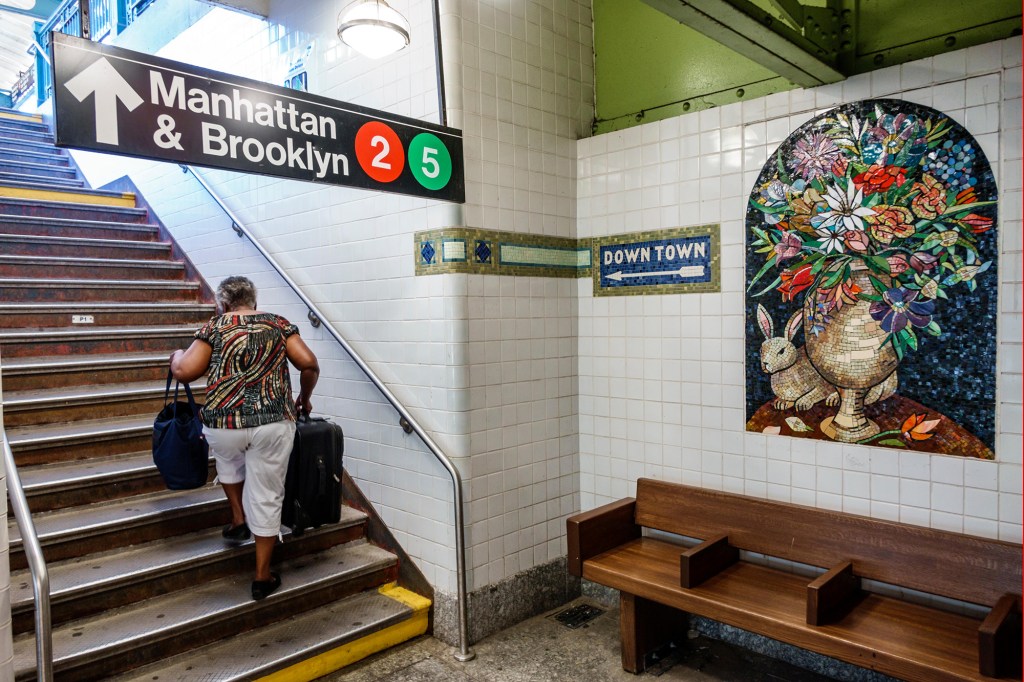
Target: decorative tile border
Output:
[(490, 252), (683, 260)]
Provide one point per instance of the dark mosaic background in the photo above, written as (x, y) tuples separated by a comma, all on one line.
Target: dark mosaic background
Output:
[(954, 373)]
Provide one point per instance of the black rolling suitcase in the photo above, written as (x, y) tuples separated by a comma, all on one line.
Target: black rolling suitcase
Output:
[(312, 487)]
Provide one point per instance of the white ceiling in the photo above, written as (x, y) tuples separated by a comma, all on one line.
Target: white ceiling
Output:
[(15, 37)]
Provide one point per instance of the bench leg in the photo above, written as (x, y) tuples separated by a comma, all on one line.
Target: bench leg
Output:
[(644, 626)]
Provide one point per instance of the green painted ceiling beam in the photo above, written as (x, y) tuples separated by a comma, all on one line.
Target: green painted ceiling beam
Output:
[(786, 55)]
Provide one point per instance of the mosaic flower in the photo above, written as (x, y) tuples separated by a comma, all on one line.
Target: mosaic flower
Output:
[(897, 264), (891, 222), (857, 240), (976, 223), (844, 209), (880, 178), (915, 427), (814, 156), (789, 246), (795, 281), (953, 164), (831, 239), (887, 138), (898, 307), (930, 201), (922, 261)]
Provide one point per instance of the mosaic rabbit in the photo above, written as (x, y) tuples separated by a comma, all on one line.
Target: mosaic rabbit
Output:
[(795, 382)]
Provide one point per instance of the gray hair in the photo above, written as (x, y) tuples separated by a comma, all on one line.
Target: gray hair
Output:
[(236, 292)]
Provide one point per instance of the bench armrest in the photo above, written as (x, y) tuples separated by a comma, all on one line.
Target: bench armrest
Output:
[(598, 530), (999, 639)]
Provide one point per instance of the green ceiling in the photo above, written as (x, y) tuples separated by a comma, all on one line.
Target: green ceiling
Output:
[(649, 66)]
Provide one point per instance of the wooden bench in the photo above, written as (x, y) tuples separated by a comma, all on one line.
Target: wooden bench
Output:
[(832, 614)]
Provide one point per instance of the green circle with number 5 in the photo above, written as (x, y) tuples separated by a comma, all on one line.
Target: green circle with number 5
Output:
[(430, 161)]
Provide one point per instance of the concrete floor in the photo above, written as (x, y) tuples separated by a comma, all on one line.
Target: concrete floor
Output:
[(543, 650)]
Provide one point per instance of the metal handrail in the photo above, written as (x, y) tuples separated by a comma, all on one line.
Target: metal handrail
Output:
[(37, 565), (407, 421)]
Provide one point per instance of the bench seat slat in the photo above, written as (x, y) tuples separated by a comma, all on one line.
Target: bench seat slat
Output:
[(898, 638)]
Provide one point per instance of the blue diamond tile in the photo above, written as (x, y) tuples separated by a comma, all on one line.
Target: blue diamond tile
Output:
[(427, 252), (483, 252)]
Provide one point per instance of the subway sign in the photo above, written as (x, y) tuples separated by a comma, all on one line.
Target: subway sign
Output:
[(118, 101)]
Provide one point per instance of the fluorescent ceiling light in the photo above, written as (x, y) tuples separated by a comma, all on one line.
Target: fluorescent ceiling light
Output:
[(373, 28)]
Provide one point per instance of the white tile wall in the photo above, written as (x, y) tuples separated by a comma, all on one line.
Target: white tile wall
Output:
[(662, 378)]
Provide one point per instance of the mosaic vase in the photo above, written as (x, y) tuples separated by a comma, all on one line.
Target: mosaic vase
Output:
[(852, 355)]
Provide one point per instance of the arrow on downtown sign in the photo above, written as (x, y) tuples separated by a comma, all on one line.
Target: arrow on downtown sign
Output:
[(684, 272), (107, 86)]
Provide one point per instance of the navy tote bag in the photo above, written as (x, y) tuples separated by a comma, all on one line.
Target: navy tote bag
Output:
[(180, 450)]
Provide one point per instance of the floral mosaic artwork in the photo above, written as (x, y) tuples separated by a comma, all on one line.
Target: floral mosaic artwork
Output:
[(871, 273)]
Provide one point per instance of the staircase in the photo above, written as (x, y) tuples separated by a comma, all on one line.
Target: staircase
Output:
[(94, 296)]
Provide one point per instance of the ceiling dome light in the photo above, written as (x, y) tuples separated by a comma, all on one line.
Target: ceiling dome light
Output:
[(373, 28)]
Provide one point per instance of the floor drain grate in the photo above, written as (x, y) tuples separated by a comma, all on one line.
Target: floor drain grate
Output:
[(578, 616)]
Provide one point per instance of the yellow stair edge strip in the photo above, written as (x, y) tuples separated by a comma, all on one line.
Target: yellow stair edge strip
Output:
[(31, 118), (126, 200), (347, 654)]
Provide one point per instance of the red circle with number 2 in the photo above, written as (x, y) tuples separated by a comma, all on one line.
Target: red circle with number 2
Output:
[(379, 151)]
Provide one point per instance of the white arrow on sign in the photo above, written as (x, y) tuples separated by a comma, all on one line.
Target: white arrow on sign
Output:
[(103, 80), (685, 271)]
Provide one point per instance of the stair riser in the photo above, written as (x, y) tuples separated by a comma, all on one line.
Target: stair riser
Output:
[(124, 658), (169, 272), (186, 576), (24, 381), (46, 170), (66, 209), (29, 247), (31, 132), (120, 444), (101, 319), (144, 482), (95, 408), (36, 294), (136, 344), (40, 180), (12, 144), (123, 536), (79, 231), (12, 158)]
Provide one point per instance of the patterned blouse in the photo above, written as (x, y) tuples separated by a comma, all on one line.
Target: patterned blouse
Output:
[(248, 383)]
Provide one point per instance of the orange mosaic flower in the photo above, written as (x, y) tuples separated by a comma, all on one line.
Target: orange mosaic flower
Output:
[(916, 428), (891, 222), (930, 203), (880, 178)]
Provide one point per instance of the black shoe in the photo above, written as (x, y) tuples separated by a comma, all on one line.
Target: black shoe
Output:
[(264, 588), (239, 533)]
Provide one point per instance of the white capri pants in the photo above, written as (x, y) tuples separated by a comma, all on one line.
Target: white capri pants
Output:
[(257, 455)]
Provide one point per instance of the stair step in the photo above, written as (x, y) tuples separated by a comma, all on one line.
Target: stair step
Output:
[(21, 374), (71, 403), (92, 197), (80, 440), (86, 585), (49, 226), (84, 247), (40, 185), (60, 267), (19, 119), (23, 315), (97, 290), (352, 623), (58, 486), (67, 533), (154, 629), (25, 130), (48, 208), (27, 157), (52, 169), (29, 142), (30, 180)]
